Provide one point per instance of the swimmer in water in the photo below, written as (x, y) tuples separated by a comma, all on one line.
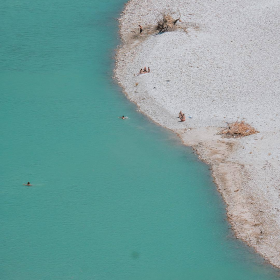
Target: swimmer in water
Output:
[(123, 117), (28, 184)]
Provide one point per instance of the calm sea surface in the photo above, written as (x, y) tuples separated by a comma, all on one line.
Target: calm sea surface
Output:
[(111, 199)]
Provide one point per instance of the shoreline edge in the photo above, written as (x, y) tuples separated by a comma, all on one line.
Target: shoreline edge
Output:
[(235, 171)]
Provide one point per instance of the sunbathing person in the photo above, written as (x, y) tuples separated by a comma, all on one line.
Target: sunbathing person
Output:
[(180, 114), (183, 118), (145, 70)]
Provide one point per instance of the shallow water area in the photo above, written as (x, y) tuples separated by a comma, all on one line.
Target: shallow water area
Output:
[(110, 198)]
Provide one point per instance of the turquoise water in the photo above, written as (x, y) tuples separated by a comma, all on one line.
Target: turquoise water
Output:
[(111, 199)]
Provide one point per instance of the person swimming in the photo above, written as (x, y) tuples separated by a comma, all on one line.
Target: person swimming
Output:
[(123, 117), (28, 184)]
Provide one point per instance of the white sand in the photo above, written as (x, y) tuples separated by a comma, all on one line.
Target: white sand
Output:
[(224, 68)]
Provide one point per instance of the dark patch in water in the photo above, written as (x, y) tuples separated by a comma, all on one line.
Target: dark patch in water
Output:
[(135, 255)]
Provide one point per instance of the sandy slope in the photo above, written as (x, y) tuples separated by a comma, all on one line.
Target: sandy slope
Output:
[(223, 64)]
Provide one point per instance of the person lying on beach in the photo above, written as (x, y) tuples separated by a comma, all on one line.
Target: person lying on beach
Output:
[(143, 71), (183, 118)]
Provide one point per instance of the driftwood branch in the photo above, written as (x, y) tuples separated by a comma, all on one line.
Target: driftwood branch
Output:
[(167, 23), (238, 129)]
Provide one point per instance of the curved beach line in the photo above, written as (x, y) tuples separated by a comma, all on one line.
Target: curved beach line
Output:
[(216, 69)]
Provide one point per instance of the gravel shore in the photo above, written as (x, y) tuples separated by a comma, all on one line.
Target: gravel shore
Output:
[(221, 64)]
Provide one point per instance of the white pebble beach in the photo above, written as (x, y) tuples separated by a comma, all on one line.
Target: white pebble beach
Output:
[(221, 64)]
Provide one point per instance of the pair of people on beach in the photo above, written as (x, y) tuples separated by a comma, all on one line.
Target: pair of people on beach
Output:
[(143, 71), (182, 116)]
